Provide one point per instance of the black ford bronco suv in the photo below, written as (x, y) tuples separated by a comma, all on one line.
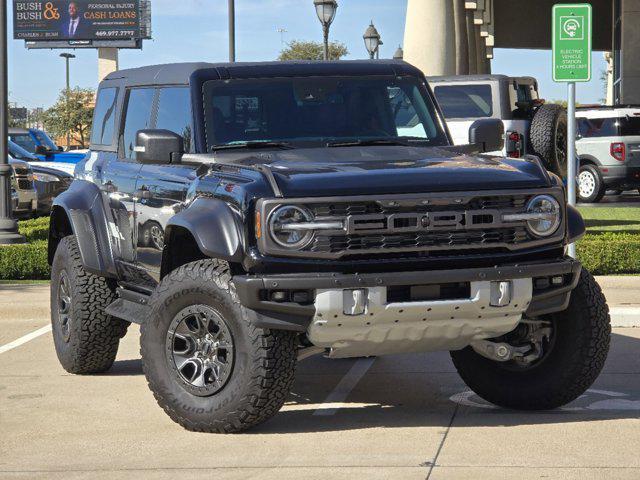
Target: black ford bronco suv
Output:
[(247, 215)]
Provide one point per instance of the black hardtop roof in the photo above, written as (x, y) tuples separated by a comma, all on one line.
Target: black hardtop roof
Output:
[(479, 78), (180, 73)]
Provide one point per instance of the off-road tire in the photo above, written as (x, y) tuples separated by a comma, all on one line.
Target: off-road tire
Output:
[(264, 360), (583, 334), (599, 189), (548, 127), (93, 337)]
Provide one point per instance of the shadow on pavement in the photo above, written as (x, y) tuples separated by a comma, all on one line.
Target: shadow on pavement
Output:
[(423, 390)]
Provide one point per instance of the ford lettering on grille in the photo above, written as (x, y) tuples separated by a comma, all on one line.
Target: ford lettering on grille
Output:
[(428, 221)]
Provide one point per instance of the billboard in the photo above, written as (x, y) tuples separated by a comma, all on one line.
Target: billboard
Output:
[(78, 21)]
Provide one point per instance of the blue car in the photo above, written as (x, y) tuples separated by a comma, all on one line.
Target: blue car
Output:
[(40, 144)]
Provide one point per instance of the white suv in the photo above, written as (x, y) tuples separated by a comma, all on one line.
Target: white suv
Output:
[(609, 150), (530, 125)]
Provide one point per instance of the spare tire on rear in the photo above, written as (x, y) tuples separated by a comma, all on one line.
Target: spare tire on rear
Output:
[(549, 137)]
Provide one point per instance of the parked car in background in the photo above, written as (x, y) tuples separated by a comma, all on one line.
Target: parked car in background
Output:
[(49, 183), (609, 150), (22, 183), (50, 178), (14, 199), (39, 143), (530, 125)]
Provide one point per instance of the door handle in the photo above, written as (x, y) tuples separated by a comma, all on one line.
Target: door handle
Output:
[(143, 193), (109, 187)]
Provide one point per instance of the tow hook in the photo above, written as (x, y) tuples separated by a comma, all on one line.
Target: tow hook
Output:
[(499, 352)]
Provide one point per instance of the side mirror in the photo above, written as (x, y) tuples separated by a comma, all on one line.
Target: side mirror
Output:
[(60, 149), (158, 147), (42, 150), (488, 134)]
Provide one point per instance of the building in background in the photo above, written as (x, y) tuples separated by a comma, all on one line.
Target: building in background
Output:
[(457, 37)]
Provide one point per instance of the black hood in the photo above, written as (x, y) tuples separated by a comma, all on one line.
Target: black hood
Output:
[(388, 170)]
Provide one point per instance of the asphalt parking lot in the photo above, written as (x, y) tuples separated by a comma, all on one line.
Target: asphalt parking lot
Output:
[(406, 417)]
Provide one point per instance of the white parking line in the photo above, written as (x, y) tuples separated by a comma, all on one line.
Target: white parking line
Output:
[(625, 316), (22, 340), (334, 401)]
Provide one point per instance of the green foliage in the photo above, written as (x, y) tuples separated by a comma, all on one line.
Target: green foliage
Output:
[(34, 230), (24, 262), (610, 253), (73, 115), (599, 220), (303, 50)]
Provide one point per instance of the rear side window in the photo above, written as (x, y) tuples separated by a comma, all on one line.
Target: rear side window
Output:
[(138, 117), (465, 101), (25, 140), (598, 127), (174, 114), (630, 126), (104, 117)]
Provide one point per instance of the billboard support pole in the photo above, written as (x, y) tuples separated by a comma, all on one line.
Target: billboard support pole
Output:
[(107, 62), (8, 226)]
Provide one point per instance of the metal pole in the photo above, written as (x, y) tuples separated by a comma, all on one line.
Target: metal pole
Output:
[(8, 226), (68, 111), (571, 152), (232, 31), (325, 31)]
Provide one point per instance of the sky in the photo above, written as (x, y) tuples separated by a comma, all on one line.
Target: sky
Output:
[(196, 30)]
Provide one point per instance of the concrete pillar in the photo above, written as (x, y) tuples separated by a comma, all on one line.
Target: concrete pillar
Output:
[(609, 94), (629, 58), (472, 51), (429, 37), (462, 39), (482, 61), (107, 62)]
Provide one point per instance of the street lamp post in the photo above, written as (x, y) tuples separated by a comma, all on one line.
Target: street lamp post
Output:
[(326, 11), (67, 57), (399, 55), (232, 30), (372, 41), (8, 226)]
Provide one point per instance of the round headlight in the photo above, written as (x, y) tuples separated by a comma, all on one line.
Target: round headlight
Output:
[(545, 215), (286, 216)]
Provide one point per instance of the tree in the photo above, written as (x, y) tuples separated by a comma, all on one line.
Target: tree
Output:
[(71, 116), (303, 50)]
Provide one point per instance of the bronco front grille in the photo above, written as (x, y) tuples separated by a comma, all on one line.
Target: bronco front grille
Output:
[(424, 225), (469, 239)]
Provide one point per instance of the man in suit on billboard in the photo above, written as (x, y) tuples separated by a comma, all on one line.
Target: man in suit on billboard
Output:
[(74, 26)]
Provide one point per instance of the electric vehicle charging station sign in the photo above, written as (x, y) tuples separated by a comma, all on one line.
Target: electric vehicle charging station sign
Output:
[(572, 26)]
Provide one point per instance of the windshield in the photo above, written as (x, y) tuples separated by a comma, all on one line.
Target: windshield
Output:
[(24, 140), (44, 140), (465, 101), (20, 153), (318, 111)]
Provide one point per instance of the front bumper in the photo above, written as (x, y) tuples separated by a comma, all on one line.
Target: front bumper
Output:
[(253, 290), (27, 202)]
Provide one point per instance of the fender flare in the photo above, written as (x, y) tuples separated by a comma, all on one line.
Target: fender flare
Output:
[(215, 226), (589, 159), (576, 227), (85, 214)]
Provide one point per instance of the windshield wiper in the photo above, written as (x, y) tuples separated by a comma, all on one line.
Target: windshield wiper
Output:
[(253, 145), (369, 142)]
